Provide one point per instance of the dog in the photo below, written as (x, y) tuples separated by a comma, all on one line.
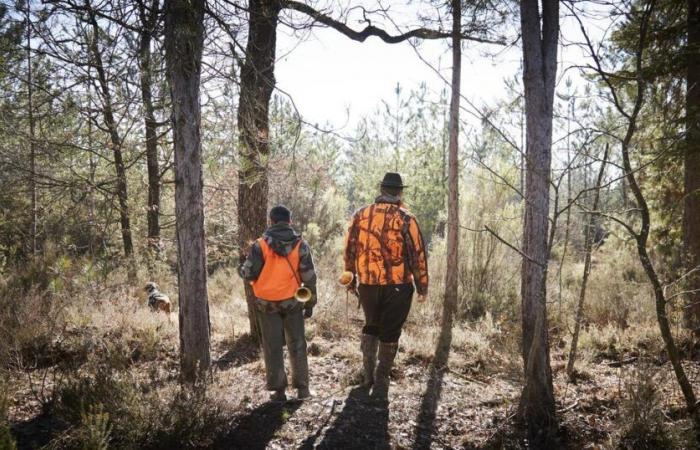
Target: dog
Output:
[(157, 301)]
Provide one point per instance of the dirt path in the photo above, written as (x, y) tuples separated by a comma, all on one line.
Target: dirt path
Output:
[(463, 404), (471, 412)]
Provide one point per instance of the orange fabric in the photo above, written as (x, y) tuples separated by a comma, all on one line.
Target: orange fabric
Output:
[(384, 246), (276, 281)]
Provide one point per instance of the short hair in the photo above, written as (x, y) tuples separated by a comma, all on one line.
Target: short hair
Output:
[(389, 190), (280, 213)]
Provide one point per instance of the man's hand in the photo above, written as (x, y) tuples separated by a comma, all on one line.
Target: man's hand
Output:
[(308, 312), (352, 286), (422, 298)]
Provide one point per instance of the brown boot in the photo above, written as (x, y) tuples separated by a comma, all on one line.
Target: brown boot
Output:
[(368, 345), (387, 352)]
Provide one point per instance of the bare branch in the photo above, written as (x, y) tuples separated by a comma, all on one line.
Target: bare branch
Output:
[(371, 30)]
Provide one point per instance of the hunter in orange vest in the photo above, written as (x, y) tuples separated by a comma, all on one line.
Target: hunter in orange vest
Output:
[(277, 265)]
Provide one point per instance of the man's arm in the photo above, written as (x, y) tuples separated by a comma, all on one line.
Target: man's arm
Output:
[(418, 257), (251, 268), (308, 272), (350, 254)]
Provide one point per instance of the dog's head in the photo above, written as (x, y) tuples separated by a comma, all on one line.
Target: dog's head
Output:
[(151, 287)]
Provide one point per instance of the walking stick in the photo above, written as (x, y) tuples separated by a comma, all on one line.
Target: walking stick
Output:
[(345, 279), (347, 313)]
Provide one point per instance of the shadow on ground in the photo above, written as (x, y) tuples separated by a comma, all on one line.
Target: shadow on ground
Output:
[(425, 423), (242, 351), (362, 424), (37, 432), (256, 428)]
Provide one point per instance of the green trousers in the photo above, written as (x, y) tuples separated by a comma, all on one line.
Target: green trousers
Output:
[(282, 322)]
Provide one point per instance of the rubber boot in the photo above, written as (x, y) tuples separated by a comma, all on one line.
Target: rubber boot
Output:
[(368, 345), (278, 396), (387, 353), (303, 393)]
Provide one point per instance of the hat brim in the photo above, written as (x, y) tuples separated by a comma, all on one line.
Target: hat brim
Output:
[(399, 186)]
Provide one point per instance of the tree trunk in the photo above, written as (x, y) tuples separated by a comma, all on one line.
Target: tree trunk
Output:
[(257, 84), (691, 211), (452, 276), (148, 22), (588, 247), (184, 39), (32, 137), (641, 237), (661, 314), (115, 139), (536, 407), (659, 295)]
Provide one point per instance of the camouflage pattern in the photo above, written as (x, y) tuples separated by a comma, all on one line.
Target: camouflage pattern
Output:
[(384, 245)]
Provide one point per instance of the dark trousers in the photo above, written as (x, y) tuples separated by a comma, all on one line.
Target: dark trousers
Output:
[(282, 322), (386, 308)]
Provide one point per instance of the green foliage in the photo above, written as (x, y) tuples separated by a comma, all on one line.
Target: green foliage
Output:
[(658, 141), (304, 175), (408, 137), (94, 433)]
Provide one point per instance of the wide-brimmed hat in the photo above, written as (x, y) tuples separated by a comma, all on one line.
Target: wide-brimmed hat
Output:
[(392, 180)]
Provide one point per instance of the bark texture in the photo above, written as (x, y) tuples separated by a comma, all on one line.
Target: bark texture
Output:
[(452, 276), (691, 211), (257, 84), (539, 36), (148, 16), (184, 39)]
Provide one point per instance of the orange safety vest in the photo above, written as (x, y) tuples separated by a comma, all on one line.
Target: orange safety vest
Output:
[(277, 280)]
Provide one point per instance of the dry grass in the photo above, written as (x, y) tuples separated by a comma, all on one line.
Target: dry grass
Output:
[(88, 357)]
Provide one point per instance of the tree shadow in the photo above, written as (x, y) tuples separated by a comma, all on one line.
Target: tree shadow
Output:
[(362, 424), (308, 443), (256, 429), (425, 423), (36, 432), (242, 351)]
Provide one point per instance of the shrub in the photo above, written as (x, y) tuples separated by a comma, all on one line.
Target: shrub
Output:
[(94, 431), (642, 419)]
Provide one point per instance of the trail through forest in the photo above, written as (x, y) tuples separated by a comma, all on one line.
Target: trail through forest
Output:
[(468, 402), (475, 408), (145, 141)]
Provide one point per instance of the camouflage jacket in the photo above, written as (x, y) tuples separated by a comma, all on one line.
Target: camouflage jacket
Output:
[(384, 245)]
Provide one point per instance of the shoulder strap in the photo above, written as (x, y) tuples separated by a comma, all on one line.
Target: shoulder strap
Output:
[(286, 257), (263, 246)]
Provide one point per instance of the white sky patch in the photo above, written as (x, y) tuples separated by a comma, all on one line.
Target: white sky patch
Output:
[(334, 80)]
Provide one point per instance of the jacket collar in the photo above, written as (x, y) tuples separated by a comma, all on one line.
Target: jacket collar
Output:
[(386, 198), (281, 237)]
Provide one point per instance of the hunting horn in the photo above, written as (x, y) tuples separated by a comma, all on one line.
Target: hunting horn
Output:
[(303, 294)]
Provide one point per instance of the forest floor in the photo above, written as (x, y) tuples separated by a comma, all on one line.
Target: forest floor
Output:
[(86, 374), (467, 401), (468, 407)]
